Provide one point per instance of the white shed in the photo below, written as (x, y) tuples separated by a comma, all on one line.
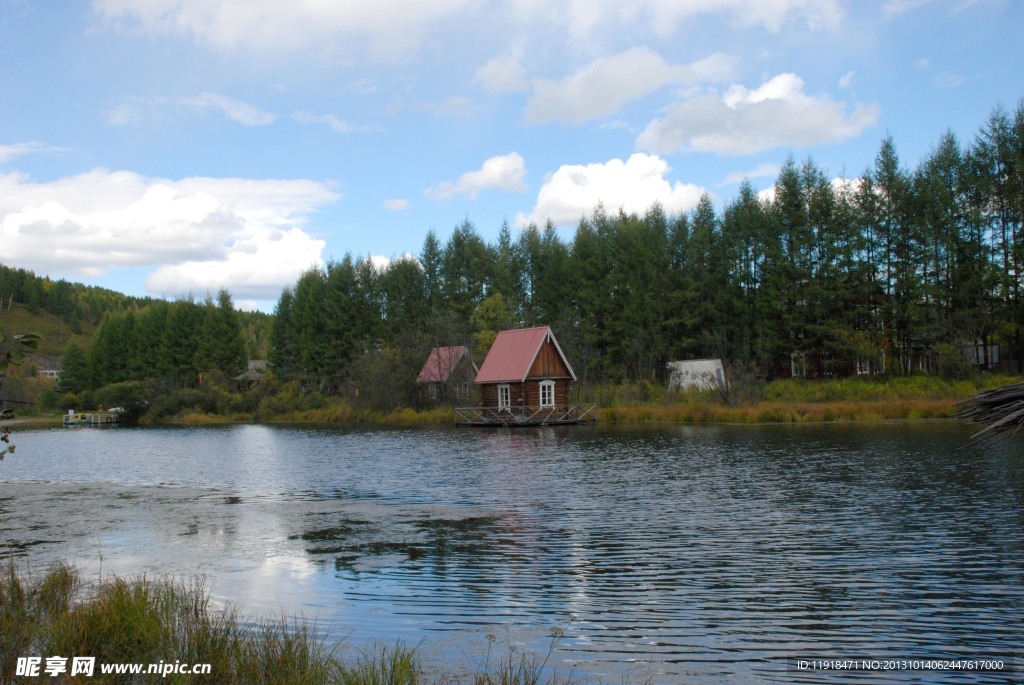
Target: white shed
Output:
[(705, 374)]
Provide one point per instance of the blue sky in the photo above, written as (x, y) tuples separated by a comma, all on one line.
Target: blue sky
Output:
[(173, 147)]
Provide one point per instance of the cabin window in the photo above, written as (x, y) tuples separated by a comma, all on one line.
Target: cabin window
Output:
[(504, 398), (547, 393)]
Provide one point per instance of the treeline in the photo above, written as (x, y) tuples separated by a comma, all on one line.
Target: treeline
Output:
[(76, 304), (172, 342), (897, 271)]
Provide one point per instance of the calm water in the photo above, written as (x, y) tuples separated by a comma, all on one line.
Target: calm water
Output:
[(697, 554)]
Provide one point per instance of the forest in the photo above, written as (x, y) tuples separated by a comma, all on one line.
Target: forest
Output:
[(78, 306), (897, 272)]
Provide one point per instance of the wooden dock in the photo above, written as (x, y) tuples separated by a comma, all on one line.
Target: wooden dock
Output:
[(105, 418), (522, 417)]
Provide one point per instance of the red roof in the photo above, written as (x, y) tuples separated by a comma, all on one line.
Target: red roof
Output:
[(440, 364), (513, 353)]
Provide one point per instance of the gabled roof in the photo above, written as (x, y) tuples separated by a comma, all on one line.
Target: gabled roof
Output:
[(512, 355), (440, 364)]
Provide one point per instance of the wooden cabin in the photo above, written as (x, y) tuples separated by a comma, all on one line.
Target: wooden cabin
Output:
[(448, 374), (525, 380)]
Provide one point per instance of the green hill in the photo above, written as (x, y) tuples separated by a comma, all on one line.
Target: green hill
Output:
[(57, 334)]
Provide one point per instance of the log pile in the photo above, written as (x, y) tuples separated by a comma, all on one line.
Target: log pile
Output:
[(1001, 410)]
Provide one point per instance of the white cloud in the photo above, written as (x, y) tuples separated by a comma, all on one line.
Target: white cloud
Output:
[(743, 121), (236, 110), (504, 173), (847, 79), (392, 28), (602, 87), (397, 204), (134, 109), (9, 152), (244, 234), (333, 122), (949, 79), (581, 20), (255, 267), (504, 74), (397, 29), (635, 185), (770, 14), (894, 8)]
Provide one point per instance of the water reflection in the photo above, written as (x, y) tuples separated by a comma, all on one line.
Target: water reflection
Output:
[(695, 553)]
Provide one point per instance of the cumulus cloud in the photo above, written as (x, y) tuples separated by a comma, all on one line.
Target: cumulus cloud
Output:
[(635, 185), (245, 234), (742, 121), (504, 173), (602, 87), (254, 267)]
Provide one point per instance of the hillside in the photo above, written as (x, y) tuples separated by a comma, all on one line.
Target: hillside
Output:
[(57, 335)]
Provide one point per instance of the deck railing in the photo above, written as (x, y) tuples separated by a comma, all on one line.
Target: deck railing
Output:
[(526, 416)]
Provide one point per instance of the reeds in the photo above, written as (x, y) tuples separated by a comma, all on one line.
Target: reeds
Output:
[(146, 621)]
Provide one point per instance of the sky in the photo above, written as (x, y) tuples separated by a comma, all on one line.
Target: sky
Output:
[(175, 147)]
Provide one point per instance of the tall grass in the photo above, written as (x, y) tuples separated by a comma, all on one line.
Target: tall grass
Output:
[(795, 401), (145, 621)]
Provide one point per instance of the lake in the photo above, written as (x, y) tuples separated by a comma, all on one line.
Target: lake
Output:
[(691, 554)]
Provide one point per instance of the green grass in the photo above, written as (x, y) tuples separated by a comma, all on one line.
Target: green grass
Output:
[(148, 621)]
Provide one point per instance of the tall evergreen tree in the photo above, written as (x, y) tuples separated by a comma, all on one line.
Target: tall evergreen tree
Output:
[(221, 346)]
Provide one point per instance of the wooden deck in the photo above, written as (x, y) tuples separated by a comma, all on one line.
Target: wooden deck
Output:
[(522, 417)]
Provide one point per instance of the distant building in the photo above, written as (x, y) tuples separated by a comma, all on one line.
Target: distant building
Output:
[(448, 374), (525, 367)]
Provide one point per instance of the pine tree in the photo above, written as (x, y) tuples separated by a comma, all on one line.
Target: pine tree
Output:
[(221, 346)]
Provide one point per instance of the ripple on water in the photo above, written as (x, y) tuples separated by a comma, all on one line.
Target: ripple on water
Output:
[(693, 554)]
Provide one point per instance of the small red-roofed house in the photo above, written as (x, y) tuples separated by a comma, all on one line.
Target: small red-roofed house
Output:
[(448, 374), (525, 368)]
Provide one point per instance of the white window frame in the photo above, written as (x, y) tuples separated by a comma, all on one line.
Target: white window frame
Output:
[(547, 388), (504, 397)]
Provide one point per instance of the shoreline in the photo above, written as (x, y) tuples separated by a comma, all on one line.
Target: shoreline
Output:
[(689, 412)]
